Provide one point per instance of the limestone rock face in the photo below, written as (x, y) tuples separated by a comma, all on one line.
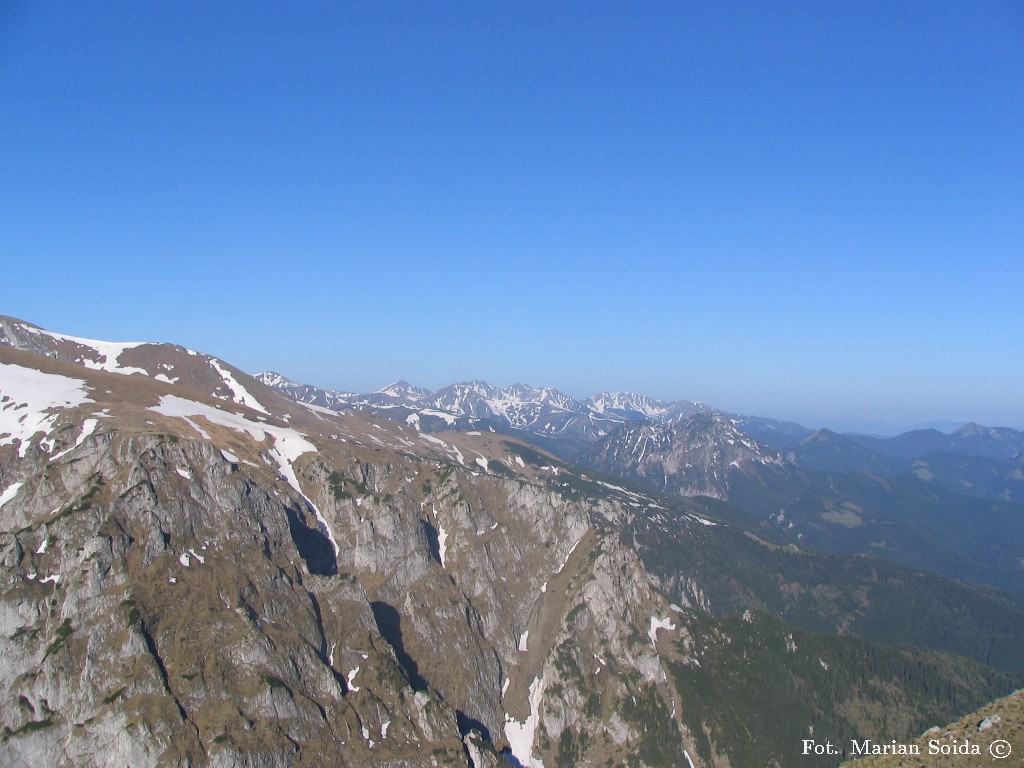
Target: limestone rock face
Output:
[(162, 614), (195, 571)]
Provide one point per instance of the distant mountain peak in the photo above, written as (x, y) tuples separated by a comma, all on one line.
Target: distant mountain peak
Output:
[(971, 429), (274, 379), (402, 389)]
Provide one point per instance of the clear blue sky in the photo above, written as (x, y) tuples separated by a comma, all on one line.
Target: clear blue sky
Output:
[(783, 208)]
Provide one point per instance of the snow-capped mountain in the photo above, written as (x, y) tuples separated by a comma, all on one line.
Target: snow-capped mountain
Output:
[(555, 420), (629, 406)]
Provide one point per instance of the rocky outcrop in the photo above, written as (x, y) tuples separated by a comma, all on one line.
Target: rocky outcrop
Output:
[(163, 613), (695, 456)]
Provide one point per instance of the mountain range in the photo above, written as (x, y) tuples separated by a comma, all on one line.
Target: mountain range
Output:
[(201, 567), (900, 498), (543, 415)]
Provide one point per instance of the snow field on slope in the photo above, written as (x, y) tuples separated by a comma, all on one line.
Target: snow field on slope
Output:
[(27, 396), (110, 351), (238, 393)]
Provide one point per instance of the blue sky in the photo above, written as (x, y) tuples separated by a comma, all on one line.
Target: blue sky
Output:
[(793, 209)]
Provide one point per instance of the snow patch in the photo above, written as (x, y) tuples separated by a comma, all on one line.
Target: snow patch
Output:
[(442, 543), (109, 352), (449, 418), (350, 679), (448, 447), (10, 492), (657, 624), (26, 398), (317, 409), (988, 722), (523, 639), (520, 735)]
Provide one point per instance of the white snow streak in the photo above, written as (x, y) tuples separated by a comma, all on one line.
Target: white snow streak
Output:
[(88, 427), (10, 492), (238, 392), (318, 409), (447, 446), (442, 543), (568, 555), (523, 639)]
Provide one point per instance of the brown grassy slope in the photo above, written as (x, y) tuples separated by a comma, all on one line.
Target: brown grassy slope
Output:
[(1009, 728)]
